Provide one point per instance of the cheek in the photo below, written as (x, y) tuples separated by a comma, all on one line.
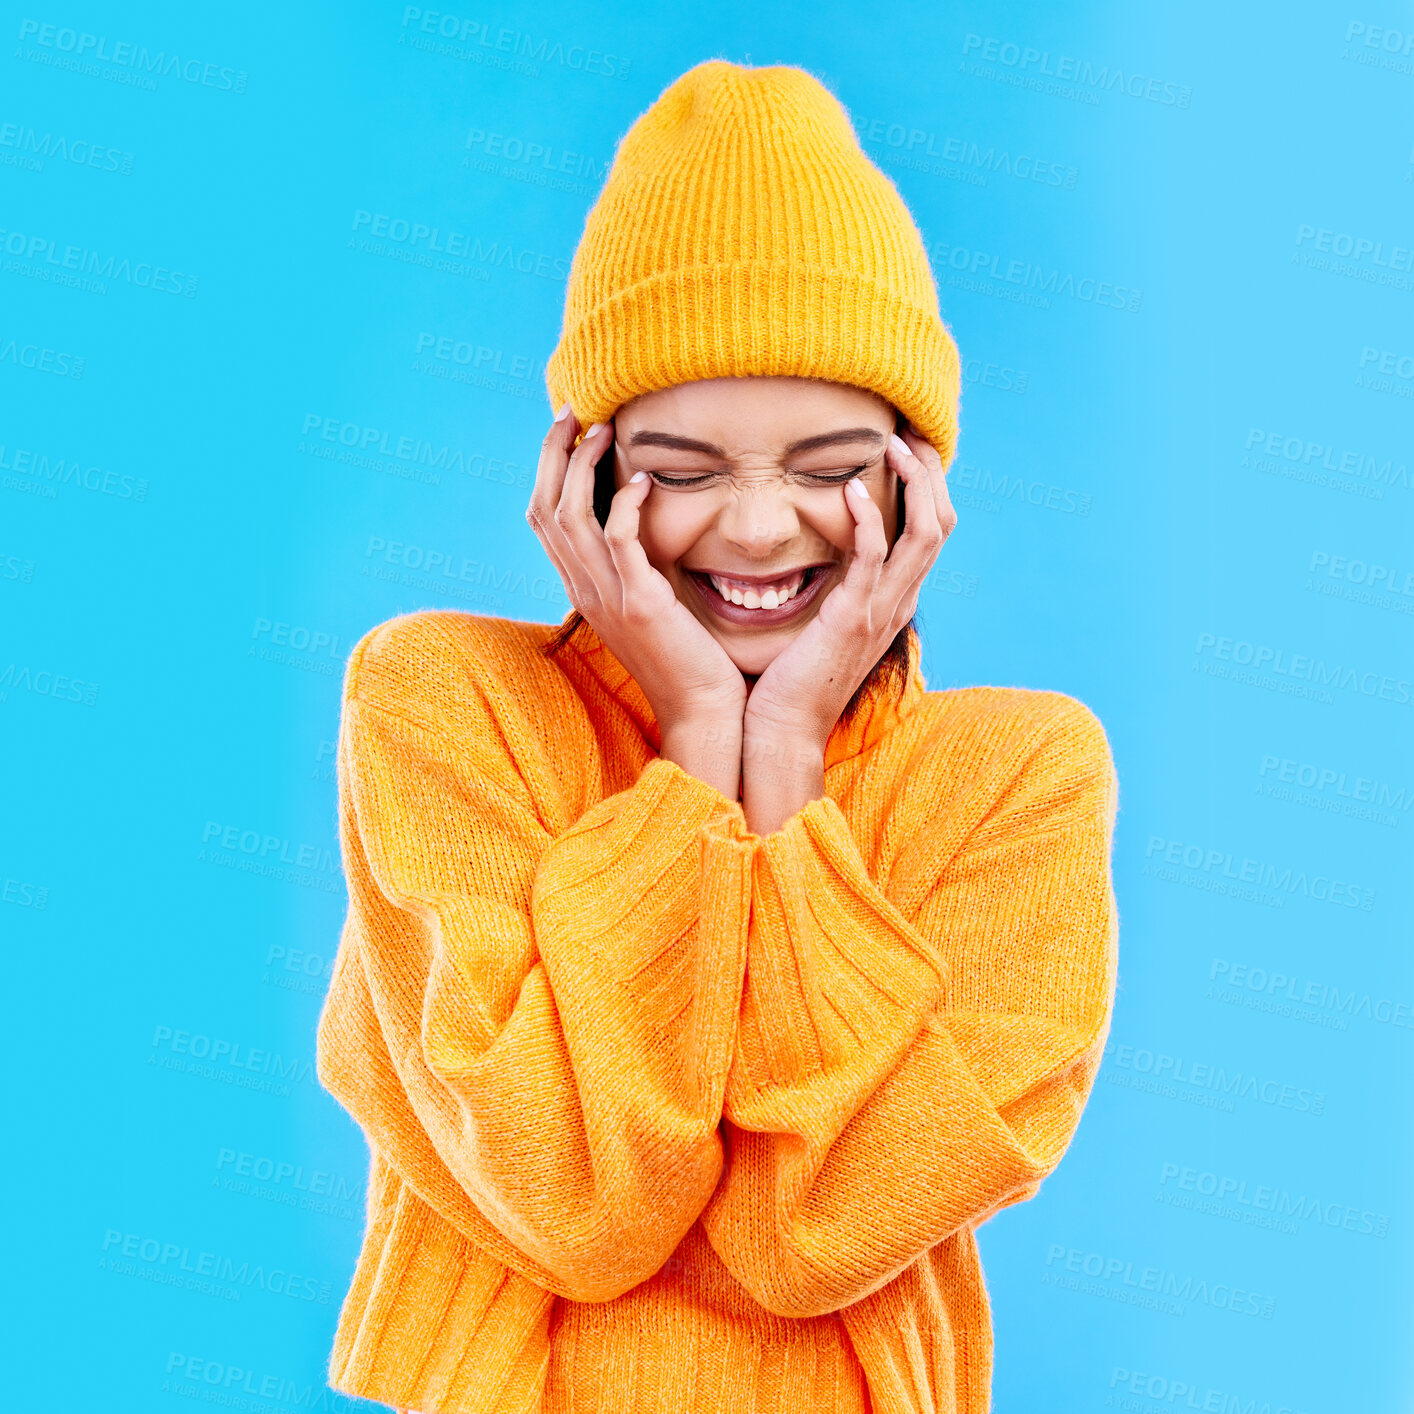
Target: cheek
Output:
[(835, 523), (667, 531)]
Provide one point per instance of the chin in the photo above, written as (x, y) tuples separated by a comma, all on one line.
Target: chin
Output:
[(750, 659)]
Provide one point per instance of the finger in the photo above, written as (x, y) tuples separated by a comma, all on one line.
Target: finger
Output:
[(575, 516), (947, 512), (621, 536), (927, 453), (942, 500), (871, 546), (916, 549), (545, 496), (897, 584), (922, 448)]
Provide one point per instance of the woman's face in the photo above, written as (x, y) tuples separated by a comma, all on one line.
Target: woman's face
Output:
[(748, 483)]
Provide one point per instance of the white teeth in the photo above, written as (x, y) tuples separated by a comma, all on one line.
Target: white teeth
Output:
[(753, 598)]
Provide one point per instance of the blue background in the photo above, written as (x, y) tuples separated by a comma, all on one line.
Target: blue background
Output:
[(1173, 243)]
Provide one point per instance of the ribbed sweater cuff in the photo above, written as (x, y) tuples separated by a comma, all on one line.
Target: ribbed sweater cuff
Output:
[(640, 912), (834, 969), (631, 839)]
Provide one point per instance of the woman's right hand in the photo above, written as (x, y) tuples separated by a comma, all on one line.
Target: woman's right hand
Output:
[(684, 672)]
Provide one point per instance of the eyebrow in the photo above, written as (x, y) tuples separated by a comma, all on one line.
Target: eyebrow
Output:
[(806, 444)]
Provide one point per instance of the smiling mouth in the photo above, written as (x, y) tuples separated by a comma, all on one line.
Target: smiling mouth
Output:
[(765, 610), (752, 591)]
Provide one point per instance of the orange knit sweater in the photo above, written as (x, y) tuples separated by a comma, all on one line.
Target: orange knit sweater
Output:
[(664, 1115)]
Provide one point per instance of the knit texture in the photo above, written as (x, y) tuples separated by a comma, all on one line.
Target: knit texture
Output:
[(664, 1115), (743, 230)]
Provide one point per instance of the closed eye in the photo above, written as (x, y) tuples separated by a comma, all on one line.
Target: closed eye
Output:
[(820, 478), (846, 476)]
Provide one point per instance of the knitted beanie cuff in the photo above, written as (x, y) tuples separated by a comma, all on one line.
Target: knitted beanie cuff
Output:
[(769, 319)]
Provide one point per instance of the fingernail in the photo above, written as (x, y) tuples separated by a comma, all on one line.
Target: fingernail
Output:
[(592, 429), (638, 476), (856, 488), (564, 412), (898, 444)]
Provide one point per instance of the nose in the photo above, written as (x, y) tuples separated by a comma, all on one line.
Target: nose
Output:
[(758, 518)]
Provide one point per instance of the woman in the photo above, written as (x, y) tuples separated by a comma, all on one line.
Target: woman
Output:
[(707, 980)]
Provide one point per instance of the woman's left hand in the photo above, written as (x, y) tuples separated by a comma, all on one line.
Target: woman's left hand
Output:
[(806, 686)]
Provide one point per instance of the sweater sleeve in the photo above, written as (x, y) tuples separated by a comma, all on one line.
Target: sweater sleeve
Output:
[(909, 1063), (534, 1028)]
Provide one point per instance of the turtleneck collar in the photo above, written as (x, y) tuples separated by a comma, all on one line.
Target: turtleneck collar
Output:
[(879, 711)]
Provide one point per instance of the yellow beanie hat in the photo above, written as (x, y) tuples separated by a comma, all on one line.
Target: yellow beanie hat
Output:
[(743, 230)]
